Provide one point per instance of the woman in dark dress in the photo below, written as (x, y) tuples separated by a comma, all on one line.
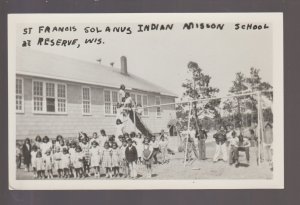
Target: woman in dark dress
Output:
[(26, 149)]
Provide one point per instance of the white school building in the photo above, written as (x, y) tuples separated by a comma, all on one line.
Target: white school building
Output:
[(60, 95)]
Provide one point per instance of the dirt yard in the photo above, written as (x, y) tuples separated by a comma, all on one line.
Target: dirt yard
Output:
[(204, 169)]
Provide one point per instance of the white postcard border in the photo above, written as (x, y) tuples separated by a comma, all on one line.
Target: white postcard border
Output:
[(276, 19)]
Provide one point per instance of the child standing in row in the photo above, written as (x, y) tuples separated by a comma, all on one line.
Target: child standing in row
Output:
[(72, 151), (57, 161), (147, 157), (33, 160), (48, 164), (65, 163), (115, 159), (95, 158), (106, 159), (40, 165), (131, 157), (78, 162), (139, 147), (123, 161), (86, 156)]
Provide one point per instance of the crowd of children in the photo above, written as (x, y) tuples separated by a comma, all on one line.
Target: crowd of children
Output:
[(119, 157), (86, 156)]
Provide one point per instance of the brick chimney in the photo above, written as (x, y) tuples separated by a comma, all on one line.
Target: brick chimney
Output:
[(124, 65)]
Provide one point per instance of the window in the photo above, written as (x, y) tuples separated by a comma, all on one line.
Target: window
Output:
[(38, 96), (114, 101), (145, 103), (86, 100), (110, 102), (133, 97), (139, 100), (61, 98), (158, 109), (19, 95), (49, 97), (107, 101)]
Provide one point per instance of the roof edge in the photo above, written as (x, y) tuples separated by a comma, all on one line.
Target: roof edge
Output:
[(86, 82)]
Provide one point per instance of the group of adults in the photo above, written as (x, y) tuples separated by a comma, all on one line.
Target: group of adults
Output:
[(229, 142)]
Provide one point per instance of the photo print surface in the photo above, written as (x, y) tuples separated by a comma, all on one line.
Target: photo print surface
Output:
[(145, 101)]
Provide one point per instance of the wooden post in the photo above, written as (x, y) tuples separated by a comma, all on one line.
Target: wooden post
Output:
[(187, 137), (259, 126)]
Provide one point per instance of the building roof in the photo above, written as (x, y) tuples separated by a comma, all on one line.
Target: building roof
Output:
[(41, 64)]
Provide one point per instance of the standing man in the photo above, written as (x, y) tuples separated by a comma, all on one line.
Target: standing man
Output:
[(220, 138), (202, 136), (233, 146)]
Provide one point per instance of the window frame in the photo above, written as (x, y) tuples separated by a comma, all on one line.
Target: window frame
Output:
[(131, 94), (22, 95), (160, 110), (44, 97), (145, 115), (143, 104), (90, 100), (111, 102)]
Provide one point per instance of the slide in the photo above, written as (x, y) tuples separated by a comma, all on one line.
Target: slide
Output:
[(139, 124)]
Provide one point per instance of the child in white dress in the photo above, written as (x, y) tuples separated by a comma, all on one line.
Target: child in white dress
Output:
[(48, 164), (33, 160), (139, 147), (78, 162), (40, 165), (95, 158), (57, 161), (65, 163), (72, 154), (46, 145), (115, 158), (106, 159)]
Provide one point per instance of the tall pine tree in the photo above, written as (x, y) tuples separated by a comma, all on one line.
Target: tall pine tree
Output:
[(198, 87)]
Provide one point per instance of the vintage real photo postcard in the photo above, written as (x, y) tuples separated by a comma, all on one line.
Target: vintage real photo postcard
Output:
[(145, 101)]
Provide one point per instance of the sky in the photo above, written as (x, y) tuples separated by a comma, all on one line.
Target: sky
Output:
[(161, 57)]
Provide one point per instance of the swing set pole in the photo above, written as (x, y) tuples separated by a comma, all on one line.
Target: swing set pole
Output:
[(259, 126), (187, 137)]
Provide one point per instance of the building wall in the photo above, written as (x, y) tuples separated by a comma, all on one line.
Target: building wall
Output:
[(30, 124)]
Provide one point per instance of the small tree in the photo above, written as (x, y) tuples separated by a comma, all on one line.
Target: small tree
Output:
[(198, 87), (243, 84)]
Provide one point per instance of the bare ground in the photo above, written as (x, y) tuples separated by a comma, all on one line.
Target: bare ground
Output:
[(204, 169)]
